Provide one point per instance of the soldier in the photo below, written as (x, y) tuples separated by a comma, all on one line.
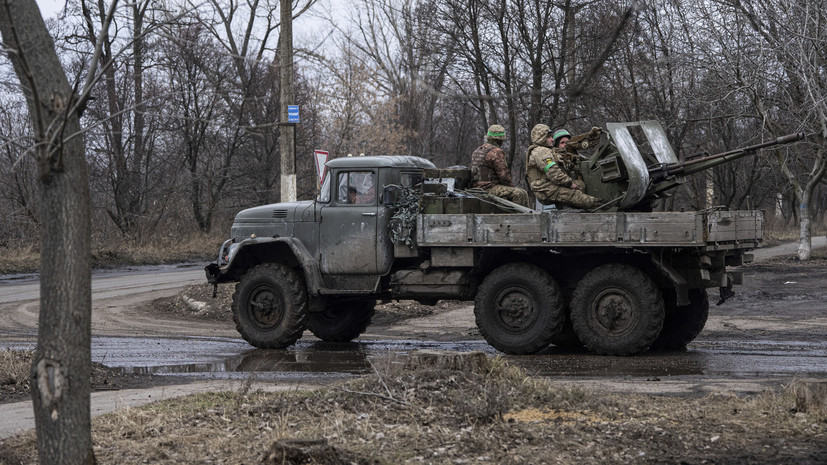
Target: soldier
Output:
[(561, 138), (547, 175), (491, 172)]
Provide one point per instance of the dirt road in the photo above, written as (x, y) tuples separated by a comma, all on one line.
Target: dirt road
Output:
[(118, 299)]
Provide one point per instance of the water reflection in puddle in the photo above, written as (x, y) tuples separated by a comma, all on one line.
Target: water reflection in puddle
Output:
[(234, 358)]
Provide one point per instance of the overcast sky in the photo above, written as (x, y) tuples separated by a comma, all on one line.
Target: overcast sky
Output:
[(309, 28), (49, 8)]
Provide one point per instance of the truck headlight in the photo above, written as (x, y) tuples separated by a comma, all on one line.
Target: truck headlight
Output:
[(226, 252), (230, 252)]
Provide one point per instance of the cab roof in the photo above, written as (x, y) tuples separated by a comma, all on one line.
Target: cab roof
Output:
[(380, 161)]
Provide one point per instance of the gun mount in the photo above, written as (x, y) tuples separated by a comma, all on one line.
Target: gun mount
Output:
[(633, 174)]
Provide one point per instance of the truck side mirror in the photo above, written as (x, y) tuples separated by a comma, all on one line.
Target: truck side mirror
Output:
[(390, 195)]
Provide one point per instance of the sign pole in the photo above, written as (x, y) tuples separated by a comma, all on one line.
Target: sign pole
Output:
[(287, 142)]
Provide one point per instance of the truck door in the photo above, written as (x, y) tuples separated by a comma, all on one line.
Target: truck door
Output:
[(348, 243)]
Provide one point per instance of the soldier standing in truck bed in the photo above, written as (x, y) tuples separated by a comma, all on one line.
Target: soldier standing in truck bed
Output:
[(547, 175), (490, 170)]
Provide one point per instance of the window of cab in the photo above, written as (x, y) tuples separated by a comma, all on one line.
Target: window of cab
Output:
[(356, 188)]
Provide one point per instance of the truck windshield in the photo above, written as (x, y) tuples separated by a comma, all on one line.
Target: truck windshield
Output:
[(324, 192)]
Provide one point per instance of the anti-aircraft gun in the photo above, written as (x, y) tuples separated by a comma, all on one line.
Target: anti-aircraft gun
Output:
[(630, 179)]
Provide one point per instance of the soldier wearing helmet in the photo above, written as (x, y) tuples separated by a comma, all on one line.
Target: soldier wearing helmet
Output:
[(547, 174), (490, 170), (561, 138)]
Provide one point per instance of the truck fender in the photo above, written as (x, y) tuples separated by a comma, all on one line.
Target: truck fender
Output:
[(312, 272), (252, 251)]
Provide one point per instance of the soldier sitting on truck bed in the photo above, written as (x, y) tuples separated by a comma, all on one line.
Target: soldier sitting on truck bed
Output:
[(547, 176), (491, 172)]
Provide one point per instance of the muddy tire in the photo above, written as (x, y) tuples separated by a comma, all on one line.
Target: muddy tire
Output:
[(683, 324), (617, 310), (270, 306), (518, 308), (342, 322)]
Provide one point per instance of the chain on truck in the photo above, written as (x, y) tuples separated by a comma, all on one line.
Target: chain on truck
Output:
[(618, 280)]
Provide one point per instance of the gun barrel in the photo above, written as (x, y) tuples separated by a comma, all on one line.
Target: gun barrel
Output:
[(700, 164)]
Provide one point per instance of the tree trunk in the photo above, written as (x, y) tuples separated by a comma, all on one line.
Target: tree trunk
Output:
[(805, 243), (62, 363)]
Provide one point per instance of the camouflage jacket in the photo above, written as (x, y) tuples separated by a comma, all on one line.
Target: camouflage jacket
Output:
[(489, 168), (543, 163)]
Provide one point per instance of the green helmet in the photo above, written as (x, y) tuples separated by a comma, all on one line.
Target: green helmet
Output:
[(495, 131), (560, 133)]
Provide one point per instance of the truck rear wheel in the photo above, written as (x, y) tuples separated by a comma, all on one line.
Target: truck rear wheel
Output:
[(518, 308), (683, 324), (270, 306), (342, 321), (617, 309)]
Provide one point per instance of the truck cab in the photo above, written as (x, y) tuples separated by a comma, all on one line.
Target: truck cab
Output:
[(343, 230)]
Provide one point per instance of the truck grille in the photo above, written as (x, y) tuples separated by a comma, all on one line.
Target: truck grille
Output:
[(279, 213)]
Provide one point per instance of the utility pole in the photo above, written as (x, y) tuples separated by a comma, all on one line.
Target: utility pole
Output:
[(287, 138)]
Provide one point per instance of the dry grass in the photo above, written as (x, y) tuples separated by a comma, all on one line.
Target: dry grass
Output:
[(14, 369), (451, 417), (19, 260), (164, 250), (775, 232), (120, 252)]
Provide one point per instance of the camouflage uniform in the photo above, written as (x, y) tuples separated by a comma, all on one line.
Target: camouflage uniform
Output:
[(491, 172), (547, 175)]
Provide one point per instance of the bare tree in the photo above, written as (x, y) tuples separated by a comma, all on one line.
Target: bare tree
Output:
[(62, 364), (18, 194), (394, 42), (246, 31), (780, 70), (121, 108), (199, 118)]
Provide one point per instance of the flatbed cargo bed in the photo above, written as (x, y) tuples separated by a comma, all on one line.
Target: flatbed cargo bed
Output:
[(716, 230)]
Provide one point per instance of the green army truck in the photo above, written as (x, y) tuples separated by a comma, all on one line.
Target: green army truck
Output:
[(396, 227)]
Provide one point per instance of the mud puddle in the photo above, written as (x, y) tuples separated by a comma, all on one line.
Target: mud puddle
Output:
[(227, 358)]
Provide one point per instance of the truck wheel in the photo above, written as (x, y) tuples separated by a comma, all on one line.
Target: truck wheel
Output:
[(270, 306), (617, 310), (518, 308), (342, 322), (683, 324)]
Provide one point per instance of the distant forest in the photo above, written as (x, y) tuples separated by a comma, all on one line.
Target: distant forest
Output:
[(182, 129)]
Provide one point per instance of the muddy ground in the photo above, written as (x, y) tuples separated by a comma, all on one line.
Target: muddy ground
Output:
[(495, 415), (498, 415)]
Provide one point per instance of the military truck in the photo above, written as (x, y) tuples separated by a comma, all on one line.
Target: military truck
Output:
[(397, 227)]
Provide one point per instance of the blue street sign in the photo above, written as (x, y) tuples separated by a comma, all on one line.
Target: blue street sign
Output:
[(292, 113)]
